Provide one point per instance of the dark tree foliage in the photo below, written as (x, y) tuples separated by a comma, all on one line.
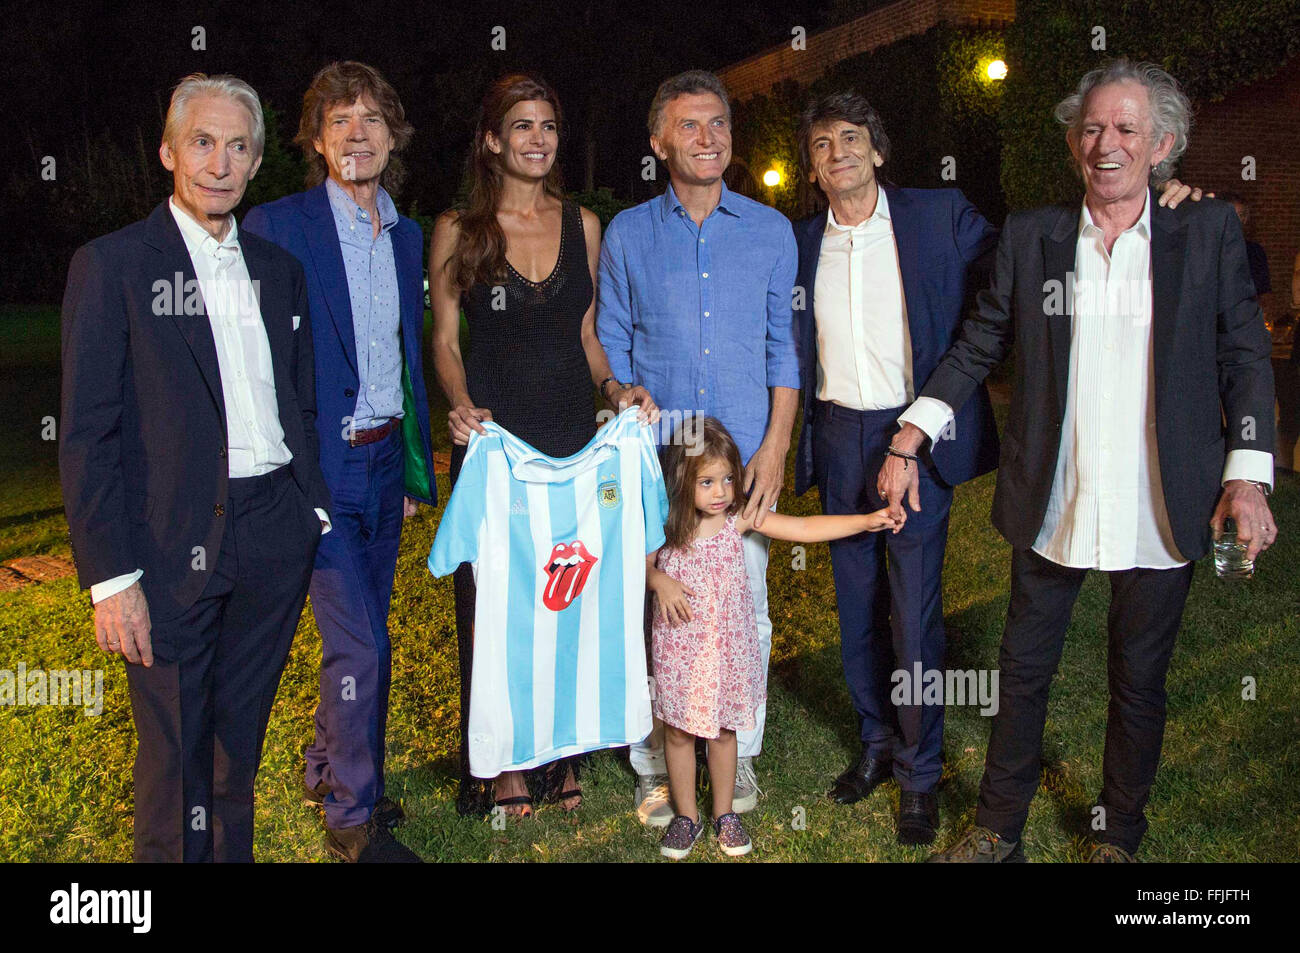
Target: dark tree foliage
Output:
[(935, 101), (1209, 47)]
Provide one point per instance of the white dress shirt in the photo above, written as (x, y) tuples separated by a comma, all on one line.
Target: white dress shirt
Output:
[(864, 350), (255, 439), (1107, 509), (1107, 505)]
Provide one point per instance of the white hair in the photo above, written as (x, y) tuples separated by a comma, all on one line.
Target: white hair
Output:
[(1171, 111), (201, 84)]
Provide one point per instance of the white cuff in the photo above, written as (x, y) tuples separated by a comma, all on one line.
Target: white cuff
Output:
[(324, 518), (931, 414), (111, 587), (1255, 465)]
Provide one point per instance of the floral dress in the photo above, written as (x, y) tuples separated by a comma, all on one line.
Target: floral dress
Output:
[(708, 672)]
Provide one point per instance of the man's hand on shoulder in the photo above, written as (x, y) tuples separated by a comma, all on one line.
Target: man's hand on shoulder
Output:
[(122, 625), (1173, 192)]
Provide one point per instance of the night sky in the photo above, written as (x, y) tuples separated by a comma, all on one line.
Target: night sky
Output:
[(86, 67)]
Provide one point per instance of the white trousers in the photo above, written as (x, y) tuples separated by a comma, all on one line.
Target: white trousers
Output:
[(648, 756)]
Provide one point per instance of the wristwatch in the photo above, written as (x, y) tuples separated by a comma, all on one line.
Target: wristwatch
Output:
[(1262, 487)]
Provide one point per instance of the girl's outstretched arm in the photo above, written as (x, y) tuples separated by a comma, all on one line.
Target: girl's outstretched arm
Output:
[(820, 529)]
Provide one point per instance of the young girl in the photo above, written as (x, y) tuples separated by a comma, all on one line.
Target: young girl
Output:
[(708, 673)]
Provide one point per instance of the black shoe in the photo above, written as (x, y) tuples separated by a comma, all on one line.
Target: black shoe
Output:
[(918, 817), (368, 843), (861, 778), (980, 846), (387, 812)]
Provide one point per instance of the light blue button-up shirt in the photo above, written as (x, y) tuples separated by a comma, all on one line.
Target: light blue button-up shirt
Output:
[(376, 316), (701, 317)]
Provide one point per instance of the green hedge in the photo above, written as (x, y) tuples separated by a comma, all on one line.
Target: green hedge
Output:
[(935, 101), (1209, 48)]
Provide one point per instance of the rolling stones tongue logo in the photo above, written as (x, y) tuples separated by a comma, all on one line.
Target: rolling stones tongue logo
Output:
[(567, 571)]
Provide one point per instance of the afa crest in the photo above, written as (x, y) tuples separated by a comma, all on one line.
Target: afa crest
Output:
[(607, 494)]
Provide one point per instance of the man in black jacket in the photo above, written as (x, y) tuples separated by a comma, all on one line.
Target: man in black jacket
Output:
[(1136, 335), (190, 472)]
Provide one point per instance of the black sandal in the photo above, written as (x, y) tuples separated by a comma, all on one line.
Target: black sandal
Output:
[(517, 799)]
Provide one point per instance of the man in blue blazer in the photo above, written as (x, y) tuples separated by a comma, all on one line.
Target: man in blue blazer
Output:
[(883, 276), (364, 276)]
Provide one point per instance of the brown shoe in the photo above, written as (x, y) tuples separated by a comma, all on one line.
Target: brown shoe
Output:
[(1109, 854), (980, 846), (368, 843), (387, 812)]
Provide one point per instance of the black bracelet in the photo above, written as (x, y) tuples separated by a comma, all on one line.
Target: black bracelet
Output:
[(903, 454)]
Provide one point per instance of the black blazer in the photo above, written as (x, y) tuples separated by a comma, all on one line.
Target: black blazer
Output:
[(142, 450), (1210, 349)]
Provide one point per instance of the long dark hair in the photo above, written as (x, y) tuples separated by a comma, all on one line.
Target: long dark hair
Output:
[(480, 254), (683, 460)]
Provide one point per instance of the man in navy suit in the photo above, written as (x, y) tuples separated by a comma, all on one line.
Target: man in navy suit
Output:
[(365, 281), (883, 275), (190, 478)]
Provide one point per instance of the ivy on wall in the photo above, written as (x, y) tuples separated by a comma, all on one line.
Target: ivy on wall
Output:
[(1209, 47), (936, 102)]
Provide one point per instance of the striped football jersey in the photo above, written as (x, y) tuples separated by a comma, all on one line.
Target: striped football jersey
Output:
[(558, 548)]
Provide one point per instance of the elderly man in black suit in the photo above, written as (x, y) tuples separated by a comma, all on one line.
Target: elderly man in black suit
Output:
[(190, 472), (1136, 336)]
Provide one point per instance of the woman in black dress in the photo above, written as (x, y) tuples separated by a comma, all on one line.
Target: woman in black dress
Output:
[(520, 260)]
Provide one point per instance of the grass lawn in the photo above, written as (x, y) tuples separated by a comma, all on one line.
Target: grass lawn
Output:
[(1227, 788)]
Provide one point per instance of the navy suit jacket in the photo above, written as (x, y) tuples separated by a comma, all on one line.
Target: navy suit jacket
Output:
[(939, 234), (142, 442), (303, 223)]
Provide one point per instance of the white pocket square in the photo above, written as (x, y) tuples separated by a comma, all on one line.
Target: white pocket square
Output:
[(297, 320)]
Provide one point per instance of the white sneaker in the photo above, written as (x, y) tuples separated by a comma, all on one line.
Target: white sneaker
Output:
[(747, 789), (653, 806)]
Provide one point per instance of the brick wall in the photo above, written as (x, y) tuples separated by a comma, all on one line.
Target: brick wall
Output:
[(1260, 120), (878, 28)]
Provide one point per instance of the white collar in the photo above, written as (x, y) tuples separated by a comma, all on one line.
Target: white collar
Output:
[(1142, 226), (881, 212), (530, 465), (197, 238)]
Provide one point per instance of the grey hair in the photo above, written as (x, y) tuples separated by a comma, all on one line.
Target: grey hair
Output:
[(201, 84), (1171, 111), (683, 84)]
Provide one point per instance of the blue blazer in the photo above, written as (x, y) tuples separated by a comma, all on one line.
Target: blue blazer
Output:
[(303, 223), (939, 234)]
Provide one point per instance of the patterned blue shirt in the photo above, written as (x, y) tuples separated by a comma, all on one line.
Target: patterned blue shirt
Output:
[(372, 287), (701, 317)]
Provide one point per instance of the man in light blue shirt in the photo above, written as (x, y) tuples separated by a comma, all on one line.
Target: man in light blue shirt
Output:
[(695, 303), (372, 289)]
